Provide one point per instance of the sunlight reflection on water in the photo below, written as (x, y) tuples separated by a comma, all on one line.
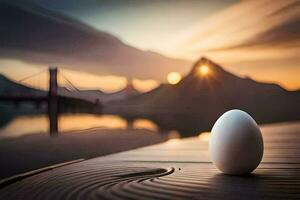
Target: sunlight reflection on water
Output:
[(34, 124), (23, 125), (144, 124)]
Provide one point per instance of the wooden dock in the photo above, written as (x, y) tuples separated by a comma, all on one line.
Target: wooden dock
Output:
[(177, 169)]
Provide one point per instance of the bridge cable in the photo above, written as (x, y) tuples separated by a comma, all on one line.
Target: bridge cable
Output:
[(68, 81), (30, 76)]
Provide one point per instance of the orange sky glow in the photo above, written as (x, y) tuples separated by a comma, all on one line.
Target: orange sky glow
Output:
[(239, 37)]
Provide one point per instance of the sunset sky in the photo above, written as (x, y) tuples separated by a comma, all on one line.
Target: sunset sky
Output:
[(249, 38)]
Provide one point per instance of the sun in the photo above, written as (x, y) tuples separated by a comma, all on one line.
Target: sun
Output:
[(203, 70), (174, 77)]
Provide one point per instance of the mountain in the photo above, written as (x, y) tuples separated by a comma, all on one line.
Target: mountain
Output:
[(201, 99), (37, 35), (97, 95), (11, 88)]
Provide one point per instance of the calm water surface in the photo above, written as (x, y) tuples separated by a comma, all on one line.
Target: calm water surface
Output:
[(39, 124)]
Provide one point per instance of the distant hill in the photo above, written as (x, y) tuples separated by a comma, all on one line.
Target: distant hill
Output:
[(98, 95), (31, 33), (11, 88), (202, 99)]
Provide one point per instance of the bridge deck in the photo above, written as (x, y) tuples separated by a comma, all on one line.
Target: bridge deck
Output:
[(177, 169)]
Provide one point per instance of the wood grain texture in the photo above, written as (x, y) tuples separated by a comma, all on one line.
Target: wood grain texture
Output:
[(177, 169)]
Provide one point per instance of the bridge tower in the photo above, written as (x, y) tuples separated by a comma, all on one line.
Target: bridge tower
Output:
[(53, 101), (53, 82)]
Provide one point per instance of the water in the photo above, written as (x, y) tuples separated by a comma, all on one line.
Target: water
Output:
[(40, 123), (27, 119), (30, 141)]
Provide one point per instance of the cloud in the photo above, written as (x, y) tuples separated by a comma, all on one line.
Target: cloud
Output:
[(37, 35), (260, 39), (247, 25)]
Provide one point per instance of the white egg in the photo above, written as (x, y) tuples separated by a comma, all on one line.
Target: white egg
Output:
[(236, 143)]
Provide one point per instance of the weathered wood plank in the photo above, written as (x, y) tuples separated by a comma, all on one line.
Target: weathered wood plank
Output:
[(177, 169)]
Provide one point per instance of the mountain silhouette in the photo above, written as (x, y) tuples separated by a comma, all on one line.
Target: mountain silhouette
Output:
[(34, 34), (98, 95), (203, 98), (11, 88), (8, 110)]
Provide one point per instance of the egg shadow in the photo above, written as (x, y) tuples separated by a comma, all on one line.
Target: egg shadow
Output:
[(257, 185)]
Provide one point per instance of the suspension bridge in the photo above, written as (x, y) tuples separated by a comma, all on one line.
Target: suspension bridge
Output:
[(57, 98), (39, 93)]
